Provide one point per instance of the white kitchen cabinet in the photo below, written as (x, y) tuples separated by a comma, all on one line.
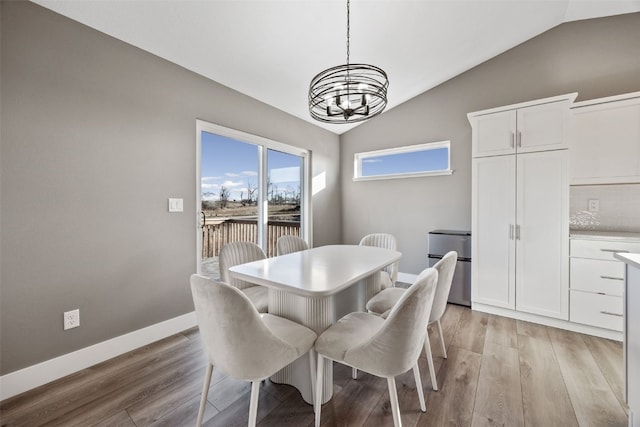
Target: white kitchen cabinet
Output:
[(520, 232), (493, 231), (605, 140), (520, 210), (533, 126), (597, 279)]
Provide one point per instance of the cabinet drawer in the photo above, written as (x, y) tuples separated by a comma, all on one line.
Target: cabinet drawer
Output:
[(597, 276), (601, 249), (603, 311)]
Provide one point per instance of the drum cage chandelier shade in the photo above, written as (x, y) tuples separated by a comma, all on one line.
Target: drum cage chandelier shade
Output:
[(348, 93)]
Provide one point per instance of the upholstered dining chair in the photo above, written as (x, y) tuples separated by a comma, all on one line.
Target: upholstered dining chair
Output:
[(289, 244), (389, 274), (235, 253), (386, 241), (383, 302), (382, 347), (243, 343)]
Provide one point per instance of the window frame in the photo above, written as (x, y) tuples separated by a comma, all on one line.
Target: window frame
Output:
[(263, 144), (359, 157)]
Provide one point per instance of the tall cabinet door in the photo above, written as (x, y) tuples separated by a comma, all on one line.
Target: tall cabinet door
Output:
[(542, 237), (493, 220)]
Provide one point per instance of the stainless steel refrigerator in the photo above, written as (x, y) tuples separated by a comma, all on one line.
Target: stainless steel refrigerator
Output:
[(442, 241)]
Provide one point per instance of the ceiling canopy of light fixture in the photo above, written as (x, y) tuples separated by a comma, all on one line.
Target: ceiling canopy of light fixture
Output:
[(348, 93)]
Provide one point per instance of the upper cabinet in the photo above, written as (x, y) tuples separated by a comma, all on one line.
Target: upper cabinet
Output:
[(605, 140), (522, 128)]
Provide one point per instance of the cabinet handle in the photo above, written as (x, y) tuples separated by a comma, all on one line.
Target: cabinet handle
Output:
[(613, 250), (519, 139), (610, 313), (510, 231), (513, 140), (517, 232), (611, 278)]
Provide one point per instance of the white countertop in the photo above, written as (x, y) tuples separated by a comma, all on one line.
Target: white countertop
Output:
[(605, 235), (631, 259)]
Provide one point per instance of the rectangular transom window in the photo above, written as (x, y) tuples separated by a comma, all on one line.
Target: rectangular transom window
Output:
[(404, 162)]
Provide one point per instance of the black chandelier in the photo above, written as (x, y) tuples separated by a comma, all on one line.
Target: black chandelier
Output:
[(348, 93)]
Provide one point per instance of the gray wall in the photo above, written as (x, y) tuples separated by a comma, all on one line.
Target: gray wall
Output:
[(596, 58), (96, 135)]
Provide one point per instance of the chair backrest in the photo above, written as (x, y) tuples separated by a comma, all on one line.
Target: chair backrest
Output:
[(395, 348), (289, 244), (386, 241), (235, 338), (446, 267), (236, 253)]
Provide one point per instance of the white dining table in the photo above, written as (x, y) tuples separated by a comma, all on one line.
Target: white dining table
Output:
[(315, 287)]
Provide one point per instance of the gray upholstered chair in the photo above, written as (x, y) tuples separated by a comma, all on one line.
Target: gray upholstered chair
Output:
[(243, 343), (382, 347), (384, 301), (386, 241), (289, 244), (235, 253)]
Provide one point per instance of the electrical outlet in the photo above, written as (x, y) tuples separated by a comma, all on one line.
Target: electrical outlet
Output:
[(71, 319), (594, 205)]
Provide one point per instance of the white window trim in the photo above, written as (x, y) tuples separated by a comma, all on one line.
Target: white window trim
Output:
[(359, 157)]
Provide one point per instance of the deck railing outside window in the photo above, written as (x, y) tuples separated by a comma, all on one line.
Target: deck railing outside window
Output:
[(215, 236)]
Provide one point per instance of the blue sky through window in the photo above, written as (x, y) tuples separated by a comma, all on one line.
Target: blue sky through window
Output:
[(234, 164), (410, 162)]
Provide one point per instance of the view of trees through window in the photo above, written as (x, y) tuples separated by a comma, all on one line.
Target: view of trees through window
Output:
[(230, 192)]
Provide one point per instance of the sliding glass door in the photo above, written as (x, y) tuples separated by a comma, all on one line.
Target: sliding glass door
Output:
[(249, 188)]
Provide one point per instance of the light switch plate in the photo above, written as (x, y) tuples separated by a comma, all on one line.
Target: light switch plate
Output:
[(594, 205), (175, 205)]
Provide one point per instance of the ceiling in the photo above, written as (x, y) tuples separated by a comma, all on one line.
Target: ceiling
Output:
[(270, 49)]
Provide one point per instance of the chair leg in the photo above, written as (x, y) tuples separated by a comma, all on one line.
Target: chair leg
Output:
[(205, 392), (432, 370), (318, 402), (253, 406), (312, 370), (393, 396), (354, 373), (444, 349), (416, 374)]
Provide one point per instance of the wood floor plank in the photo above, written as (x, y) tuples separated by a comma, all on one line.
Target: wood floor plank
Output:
[(161, 402), (499, 393), (458, 380), (502, 331), (237, 413), (185, 415), (593, 400), (294, 412), (160, 385), (73, 387), (544, 394), (93, 399), (608, 356), (381, 414), (471, 331), (532, 330), (354, 401), (120, 419)]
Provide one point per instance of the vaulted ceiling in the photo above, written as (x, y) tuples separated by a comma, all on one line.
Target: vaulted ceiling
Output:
[(270, 49)]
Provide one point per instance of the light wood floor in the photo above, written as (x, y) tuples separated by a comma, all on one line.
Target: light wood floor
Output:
[(499, 372)]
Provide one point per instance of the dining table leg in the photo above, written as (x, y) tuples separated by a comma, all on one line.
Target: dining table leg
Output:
[(317, 314)]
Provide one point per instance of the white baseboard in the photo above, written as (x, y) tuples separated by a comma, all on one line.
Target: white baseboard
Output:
[(33, 376), (548, 321)]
